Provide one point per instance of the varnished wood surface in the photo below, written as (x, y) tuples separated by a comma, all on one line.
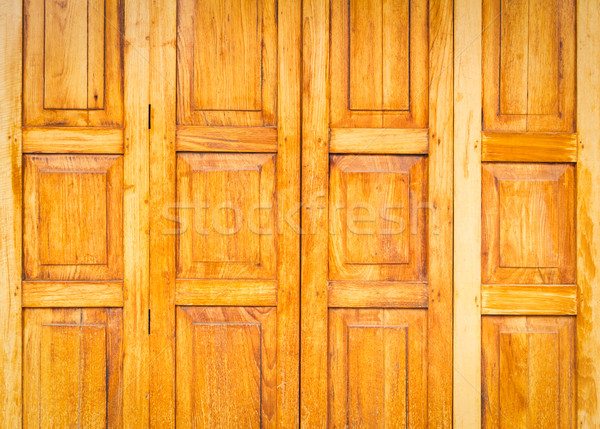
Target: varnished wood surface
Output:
[(529, 147), (72, 140)]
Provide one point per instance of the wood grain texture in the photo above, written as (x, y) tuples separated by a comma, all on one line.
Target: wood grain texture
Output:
[(467, 215), (226, 292), (377, 368), (588, 213), (529, 147), (529, 299), (440, 221), (529, 65), (227, 63), (226, 139), (528, 223), (72, 294), (136, 226), (73, 362), (379, 64), (11, 327), (409, 141), (315, 164), (72, 140), (226, 374), (353, 294), (528, 371), (73, 63)]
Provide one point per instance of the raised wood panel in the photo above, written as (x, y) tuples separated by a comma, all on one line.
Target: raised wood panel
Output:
[(226, 367), (378, 218), (73, 217), (377, 368), (528, 223), (528, 372), (227, 216), (529, 65), (238, 88), (73, 63), (72, 375), (379, 73)]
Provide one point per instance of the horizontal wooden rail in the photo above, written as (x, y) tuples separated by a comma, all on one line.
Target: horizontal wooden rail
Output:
[(377, 294), (529, 147), (529, 299), (72, 140), (226, 139), (226, 292), (72, 294), (379, 140)]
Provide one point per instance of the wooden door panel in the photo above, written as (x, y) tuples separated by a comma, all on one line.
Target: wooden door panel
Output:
[(73, 368), (73, 63), (226, 360), (529, 65)]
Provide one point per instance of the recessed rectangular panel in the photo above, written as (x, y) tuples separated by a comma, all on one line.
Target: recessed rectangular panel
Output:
[(227, 216), (377, 368), (72, 368), (528, 369), (377, 217), (73, 217), (225, 367)]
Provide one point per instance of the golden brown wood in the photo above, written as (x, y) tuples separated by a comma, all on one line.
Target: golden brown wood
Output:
[(529, 299), (73, 140), (528, 224), (528, 371), (529, 147), (380, 141), (72, 294), (226, 292), (11, 357), (227, 63), (73, 217), (588, 214), (377, 294), (226, 374), (73, 358), (73, 63), (379, 64), (529, 65), (226, 139), (378, 370)]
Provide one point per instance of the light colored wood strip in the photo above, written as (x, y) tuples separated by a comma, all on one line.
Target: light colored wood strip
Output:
[(254, 293), (11, 30), (529, 299), (440, 220), (315, 219), (136, 227), (374, 140), (529, 147), (588, 213), (162, 182), (288, 201), (226, 139), (72, 140), (377, 294), (72, 294)]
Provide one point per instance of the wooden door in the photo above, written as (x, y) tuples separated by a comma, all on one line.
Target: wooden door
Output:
[(224, 213), (376, 331), (526, 161)]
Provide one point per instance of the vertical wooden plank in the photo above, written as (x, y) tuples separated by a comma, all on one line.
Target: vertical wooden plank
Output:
[(10, 213), (588, 213), (440, 218), (163, 36), (315, 160), (467, 213), (95, 54), (289, 45), (135, 215)]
